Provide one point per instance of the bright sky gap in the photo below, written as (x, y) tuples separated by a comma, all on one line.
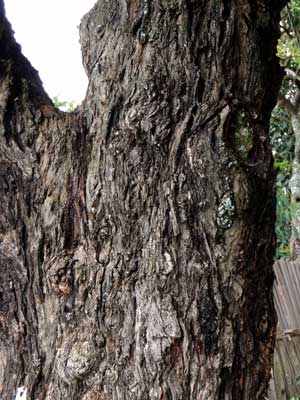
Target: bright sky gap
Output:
[(48, 33)]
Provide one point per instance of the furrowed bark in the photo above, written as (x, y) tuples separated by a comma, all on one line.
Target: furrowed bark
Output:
[(136, 233)]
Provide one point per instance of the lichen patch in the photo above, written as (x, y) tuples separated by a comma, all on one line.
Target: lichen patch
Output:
[(226, 211)]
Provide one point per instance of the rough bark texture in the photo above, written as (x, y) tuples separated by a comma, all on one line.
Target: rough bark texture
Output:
[(136, 233)]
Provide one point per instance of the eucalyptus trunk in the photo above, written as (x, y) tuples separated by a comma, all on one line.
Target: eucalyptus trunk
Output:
[(136, 233)]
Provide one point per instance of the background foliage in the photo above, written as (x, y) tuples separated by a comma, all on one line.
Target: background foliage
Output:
[(283, 150), (282, 136), (67, 106)]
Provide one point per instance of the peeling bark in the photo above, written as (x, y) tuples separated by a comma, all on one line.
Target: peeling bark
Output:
[(137, 232)]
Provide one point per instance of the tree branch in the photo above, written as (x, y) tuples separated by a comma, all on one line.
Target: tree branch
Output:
[(294, 75), (286, 104)]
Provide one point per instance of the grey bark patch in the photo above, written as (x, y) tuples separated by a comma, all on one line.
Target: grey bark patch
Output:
[(226, 211)]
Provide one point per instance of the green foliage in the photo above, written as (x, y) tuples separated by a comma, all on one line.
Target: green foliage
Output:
[(282, 137), (283, 142), (288, 46), (297, 383), (283, 230), (67, 106)]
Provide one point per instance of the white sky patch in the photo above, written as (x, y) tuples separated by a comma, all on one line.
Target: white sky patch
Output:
[(48, 33), (21, 393)]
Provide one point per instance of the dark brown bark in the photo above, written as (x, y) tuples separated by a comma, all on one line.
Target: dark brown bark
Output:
[(136, 233)]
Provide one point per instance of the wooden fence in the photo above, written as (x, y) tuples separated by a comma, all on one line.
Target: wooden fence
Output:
[(286, 370)]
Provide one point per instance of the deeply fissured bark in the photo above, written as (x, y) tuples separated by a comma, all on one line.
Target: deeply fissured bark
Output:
[(136, 233)]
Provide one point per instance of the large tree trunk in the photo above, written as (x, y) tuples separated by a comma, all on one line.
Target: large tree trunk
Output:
[(137, 232)]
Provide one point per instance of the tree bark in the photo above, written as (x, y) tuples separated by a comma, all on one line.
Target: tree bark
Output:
[(137, 232)]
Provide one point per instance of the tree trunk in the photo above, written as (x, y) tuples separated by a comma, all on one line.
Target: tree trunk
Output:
[(137, 232)]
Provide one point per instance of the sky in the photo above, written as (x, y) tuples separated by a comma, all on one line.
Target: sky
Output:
[(47, 30)]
